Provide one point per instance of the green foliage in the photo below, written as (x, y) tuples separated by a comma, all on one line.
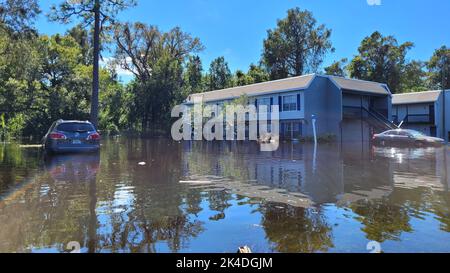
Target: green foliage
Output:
[(45, 78), (242, 100), (414, 77), (54, 82), (67, 10), (439, 66), (219, 74), (380, 59), (258, 74), (337, 68), (296, 46), (194, 75), (18, 16), (255, 74), (16, 124), (158, 61), (242, 78)]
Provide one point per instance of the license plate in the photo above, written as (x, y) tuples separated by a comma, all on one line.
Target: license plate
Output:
[(76, 142)]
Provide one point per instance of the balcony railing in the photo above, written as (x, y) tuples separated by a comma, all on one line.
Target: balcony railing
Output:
[(418, 119)]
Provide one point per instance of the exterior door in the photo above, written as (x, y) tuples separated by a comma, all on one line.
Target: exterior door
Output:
[(431, 113)]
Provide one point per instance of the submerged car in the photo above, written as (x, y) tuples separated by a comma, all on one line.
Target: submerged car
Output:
[(71, 137), (406, 137)]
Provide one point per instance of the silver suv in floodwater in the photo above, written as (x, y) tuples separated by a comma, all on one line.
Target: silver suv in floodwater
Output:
[(71, 136)]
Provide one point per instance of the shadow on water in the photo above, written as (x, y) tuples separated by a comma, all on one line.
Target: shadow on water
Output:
[(214, 197)]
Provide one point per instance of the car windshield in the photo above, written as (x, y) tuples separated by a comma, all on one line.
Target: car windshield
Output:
[(75, 127)]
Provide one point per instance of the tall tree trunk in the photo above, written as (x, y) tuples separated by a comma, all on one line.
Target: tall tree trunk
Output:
[(95, 76)]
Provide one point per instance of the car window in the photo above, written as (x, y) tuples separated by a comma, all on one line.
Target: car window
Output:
[(75, 127), (391, 133), (403, 133), (416, 133)]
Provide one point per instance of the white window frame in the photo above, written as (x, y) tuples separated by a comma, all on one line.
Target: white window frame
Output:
[(291, 106), (264, 101)]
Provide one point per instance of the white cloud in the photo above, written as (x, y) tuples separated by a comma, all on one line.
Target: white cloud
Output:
[(110, 61), (374, 2)]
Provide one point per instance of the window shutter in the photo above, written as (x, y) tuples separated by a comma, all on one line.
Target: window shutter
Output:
[(298, 102), (256, 103), (271, 103), (280, 103)]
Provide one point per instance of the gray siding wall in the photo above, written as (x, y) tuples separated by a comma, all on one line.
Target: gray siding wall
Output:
[(323, 99), (334, 108)]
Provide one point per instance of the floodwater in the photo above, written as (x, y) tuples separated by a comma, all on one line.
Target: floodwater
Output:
[(215, 197)]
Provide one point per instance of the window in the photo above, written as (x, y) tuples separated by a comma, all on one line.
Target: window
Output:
[(266, 102), (290, 103), (404, 133), (391, 133), (75, 127), (291, 130)]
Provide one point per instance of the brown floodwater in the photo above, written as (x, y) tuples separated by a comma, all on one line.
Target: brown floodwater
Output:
[(215, 197)]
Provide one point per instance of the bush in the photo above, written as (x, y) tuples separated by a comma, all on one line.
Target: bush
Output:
[(12, 128), (112, 129)]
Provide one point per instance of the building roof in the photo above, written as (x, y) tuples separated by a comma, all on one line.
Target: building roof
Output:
[(286, 85), (283, 85), (360, 85), (416, 97)]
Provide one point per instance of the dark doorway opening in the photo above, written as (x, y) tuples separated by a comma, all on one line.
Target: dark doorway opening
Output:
[(433, 131)]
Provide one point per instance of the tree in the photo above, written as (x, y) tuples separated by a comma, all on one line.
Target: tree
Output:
[(337, 68), (439, 67), (18, 15), (414, 77), (296, 46), (241, 78), (157, 60), (219, 74), (380, 59), (194, 74), (82, 37), (20, 88), (258, 74), (100, 13)]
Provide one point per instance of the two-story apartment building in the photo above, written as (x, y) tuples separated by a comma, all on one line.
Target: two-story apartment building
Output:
[(332, 100), (423, 111)]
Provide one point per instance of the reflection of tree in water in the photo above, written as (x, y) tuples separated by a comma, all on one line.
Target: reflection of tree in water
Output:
[(292, 229), (386, 219), (425, 199), (159, 209), (43, 211), (143, 233), (382, 220), (219, 201), (16, 164), (193, 200), (441, 207)]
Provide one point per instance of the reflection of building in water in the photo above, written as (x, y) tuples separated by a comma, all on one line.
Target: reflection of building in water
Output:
[(299, 175), (286, 175), (325, 174), (417, 167)]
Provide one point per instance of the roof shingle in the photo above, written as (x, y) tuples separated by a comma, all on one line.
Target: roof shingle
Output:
[(360, 85), (416, 97), (289, 84), (286, 85)]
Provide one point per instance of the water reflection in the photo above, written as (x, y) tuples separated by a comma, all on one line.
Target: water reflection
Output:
[(297, 199)]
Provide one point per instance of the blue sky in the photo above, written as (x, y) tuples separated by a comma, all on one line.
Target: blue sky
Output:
[(236, 28)]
